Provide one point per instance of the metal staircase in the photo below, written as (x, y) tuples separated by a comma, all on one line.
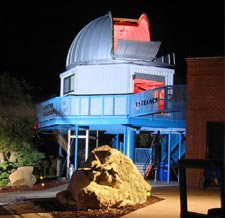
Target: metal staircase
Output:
[(174, 149)]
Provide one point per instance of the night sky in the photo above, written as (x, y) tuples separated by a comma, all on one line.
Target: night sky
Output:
[(36, 37)]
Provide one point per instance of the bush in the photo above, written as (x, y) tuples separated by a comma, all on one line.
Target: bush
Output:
[(6, 168), (17, 117), (29, 156)]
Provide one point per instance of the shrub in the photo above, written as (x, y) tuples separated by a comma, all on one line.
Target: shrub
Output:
[(29, 156), (6, 168)]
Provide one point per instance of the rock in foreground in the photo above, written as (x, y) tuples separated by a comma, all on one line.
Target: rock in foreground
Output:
[(107, 179), (22, 176)]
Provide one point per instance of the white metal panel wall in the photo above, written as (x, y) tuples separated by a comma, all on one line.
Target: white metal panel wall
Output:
[(102, 79), (111, 79)]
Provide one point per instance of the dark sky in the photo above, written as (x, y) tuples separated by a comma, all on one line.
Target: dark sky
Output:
[(36, 37)]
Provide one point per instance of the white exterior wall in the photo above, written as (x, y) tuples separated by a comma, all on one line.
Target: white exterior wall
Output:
[(102, 79), (111, 78), (99, 79)]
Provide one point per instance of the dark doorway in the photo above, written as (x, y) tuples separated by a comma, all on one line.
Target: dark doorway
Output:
[(214, 150), (215, 140)]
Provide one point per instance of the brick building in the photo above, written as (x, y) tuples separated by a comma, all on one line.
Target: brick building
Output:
[(205, 112)]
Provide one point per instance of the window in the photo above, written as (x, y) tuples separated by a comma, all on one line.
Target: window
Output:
[(68, 84)]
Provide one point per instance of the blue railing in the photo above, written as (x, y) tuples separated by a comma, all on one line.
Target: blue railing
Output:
[(142, 155), (104, 105), (165, 99), (174, 147), (170, 100)]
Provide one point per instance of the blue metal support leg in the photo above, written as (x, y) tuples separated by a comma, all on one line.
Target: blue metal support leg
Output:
[(130, 144), (179, 152), (169, 162), (117, 141), (124, 149)]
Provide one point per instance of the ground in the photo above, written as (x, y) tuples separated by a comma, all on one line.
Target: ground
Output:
[(52, 206), (40, 185), (199, 201)]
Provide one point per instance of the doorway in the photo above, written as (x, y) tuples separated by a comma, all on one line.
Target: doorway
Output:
[(214, 150), (215, 140), (144, 82)]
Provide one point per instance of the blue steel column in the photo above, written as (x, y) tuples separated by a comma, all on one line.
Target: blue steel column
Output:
[(117, 141), (179, 153), (124, 149), (130, 144), (168, 167), (179, 149), (76, 148)]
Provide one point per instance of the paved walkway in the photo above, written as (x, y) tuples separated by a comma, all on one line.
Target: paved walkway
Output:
[(11, 197), (198, 201)]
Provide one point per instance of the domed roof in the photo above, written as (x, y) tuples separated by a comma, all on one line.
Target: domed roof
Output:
[(112, 40), (93, 43)]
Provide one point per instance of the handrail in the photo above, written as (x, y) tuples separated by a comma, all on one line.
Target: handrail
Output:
[(149, 160), (159, 101)]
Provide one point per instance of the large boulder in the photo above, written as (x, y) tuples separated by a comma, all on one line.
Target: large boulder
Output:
[(13, 156), (2, 157), (22, 176), (107, 179)]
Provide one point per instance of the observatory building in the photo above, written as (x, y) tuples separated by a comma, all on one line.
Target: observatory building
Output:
[(117, 84)]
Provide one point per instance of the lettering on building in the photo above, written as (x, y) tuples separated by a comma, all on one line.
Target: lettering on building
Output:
[(146, 102), (48, 110)]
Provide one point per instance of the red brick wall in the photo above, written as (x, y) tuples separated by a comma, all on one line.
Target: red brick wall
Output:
[(205, 102)]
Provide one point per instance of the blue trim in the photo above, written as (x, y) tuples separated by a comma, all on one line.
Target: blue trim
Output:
[(86, 120), (153, 122)]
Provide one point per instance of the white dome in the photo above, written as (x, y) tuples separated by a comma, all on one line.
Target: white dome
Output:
[(92, 44), (113, 40)]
